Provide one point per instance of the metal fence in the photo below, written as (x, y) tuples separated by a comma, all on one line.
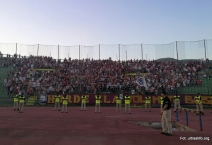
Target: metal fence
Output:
[(180, 50)]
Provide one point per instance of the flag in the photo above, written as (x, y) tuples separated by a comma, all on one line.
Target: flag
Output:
[(141, 82)]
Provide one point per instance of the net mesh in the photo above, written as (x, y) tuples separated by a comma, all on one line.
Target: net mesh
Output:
[(201, 49), (69, 52), (208, 45), (109, 51), (149, 52), (8, 48), (27, 50), (48, 50), (131, 52), (89, 52)]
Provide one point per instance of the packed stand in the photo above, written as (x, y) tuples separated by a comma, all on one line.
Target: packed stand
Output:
[(44, 74)]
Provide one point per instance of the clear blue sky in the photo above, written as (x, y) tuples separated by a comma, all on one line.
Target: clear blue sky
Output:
[(93, 22)]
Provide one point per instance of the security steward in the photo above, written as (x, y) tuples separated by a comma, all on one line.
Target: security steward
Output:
[(127, 104), (15, 99), (176, 102), (21, 103), (166, 115), (161, 103), (83, 102), (64, 103), (147, 103), (98, 103), (57, 102), (118, 103), (198, 101)]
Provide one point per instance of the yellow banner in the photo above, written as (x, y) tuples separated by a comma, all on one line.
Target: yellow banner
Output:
[(134, 74), (43, 69), (134, 99)]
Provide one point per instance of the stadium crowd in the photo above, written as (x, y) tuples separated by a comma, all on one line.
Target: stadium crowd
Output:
[(45, 74)]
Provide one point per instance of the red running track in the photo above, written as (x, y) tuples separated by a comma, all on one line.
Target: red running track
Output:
[(43, 126)]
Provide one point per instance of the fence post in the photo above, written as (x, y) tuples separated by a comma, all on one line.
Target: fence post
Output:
[(79, 52), (58, 51), (16, 49), (119, 52), (177, 119), (126, 55), (205, 49), (99, 51), (200, 120), (141, 51), (38, 50), (186, 117)]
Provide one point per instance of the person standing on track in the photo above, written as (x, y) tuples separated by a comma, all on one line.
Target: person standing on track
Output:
[(176, 102), (198, 101), (83, 102), (21, 102), (118, 103), (64, 104), (98, 103), (15, 99), (57, 102), (147, 102), (166, 115), (161, 103), (127, 104)]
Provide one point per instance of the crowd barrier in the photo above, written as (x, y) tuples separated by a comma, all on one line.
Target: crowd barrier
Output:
[(192, 111)]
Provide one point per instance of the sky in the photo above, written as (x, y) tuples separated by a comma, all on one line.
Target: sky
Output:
[(94, 22)]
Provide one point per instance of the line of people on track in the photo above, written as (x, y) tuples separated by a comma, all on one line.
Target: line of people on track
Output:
[(119, 98), (19, 101)]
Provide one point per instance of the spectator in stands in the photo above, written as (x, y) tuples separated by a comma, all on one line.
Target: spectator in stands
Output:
[(107, 76)]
